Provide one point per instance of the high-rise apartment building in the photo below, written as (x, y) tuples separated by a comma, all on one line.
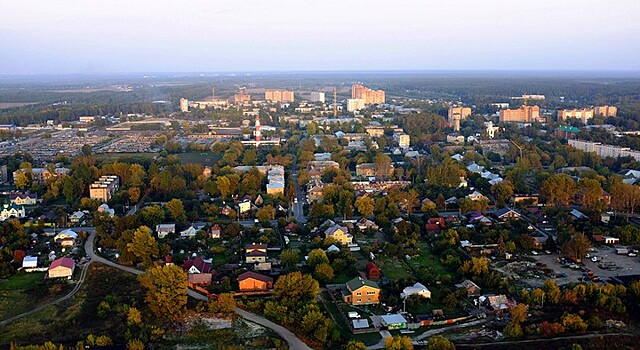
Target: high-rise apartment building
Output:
[(583, 114), (355, 104), (367, 95), (456, 114), (278, 95), (524, 114), (605, 111), (184, 105), (317, 96), (241, 98)]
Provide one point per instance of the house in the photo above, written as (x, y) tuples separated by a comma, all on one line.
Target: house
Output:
[(255, 253), (332, 248), (506, 214), (434, 225), (393, 321), (314, 194), (340, 234), (578, 215), (30, 262), (104, 208), (475, 196), (199, 270), (190, 232), (497, 303), (66, 238), (365, 224), (251, 281), (373, 272), (77, 217), (23, 198), (416, 289), (611, 240), (477, 218), (472, 288), (215, 231), (360, 291), (11, 210), (475, 168), (62, 267), (164, 229)]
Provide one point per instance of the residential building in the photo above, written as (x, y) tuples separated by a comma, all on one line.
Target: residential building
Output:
[(241, 98), (373, 272), (370, 169), (279, 96), (340, 234), (369, 96), (506, 214), (524, 114), (77, 217), (360, 291), (251, 282), (215, 231), (30, 262), (606, 111), (184, 105), (104, 208), (317, 96), (255, 253), (472, 288), (393, 321), (583, 114), (275, 178), (199, 270), (62, 267), (403, 140), (604, 150), (66, 238), (162, 230), (456, 114), (23, 198), (11, 210), (41, 175), (104, 188), (416, 289), (355, 104)]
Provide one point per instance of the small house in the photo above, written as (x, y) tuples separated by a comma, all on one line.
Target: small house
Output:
[(23, 198), (472, 288), (416, 289), (360, 291), (340, 234), (393, 321), (165, 229), (30, 262), (215, 231), (66, 238), (251, 281), (62, 267), (506, 214), (77, 217), (255, 253)]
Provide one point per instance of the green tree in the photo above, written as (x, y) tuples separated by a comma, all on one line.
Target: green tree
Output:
[(143, 246), (86, 150), (438, 342), (250, 157), (552, 291), (290, 257), (295, 289), (576, 247), (166, 291), (355, 345), (317, 257), (176, 210), (225, 304), (151, 215), (558, 190), (223, 184), (323, 272), (502, 191), (398, 343)]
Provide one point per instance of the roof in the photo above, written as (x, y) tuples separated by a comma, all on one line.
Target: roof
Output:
[(503, 211), (66, 233), (64, 262), (467, 284), (255, 246), (393, 319), (333, 229), (360, 282), (567, 128), (256, 253), (360, 323), (166, 227), (198, 263), (370, 266), (255, 276)]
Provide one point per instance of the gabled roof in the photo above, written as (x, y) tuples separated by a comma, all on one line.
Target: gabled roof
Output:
[(255, 276), (360, 282), (198, 263), (64, 262), (333, 229), (255, 246)]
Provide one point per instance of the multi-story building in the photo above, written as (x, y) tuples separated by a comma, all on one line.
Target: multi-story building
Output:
[(241, 98), (605, 111), (317, 96), (369, 96), (11, 210), (604, 150), (404, 140), (371, 169), (340, 234), (583, 114), (524, 114), (456, 114), (355, 104), (360, 291), (278, 96), (41, 175), (275, 177), (104, 188), (184, 105)]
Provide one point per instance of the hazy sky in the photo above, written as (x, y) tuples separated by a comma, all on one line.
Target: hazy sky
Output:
[(105, 36)]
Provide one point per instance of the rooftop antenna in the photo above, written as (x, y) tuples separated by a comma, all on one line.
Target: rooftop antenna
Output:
[(335, 102)]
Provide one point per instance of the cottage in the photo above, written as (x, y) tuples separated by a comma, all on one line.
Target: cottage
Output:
[(434, 225), (365, 224), (215, 231), (506, 214), (164, 229), (360, 291), (11, 210), (199, 271), (340, 234), (416, 289), (77, 217), (251, 281), (104, 208), (373, 272), (23, 198), (66, 238), (62, 267), (476, 196), (30, 262), (190, 232), (472, 288), (393, 321), (255, 253)]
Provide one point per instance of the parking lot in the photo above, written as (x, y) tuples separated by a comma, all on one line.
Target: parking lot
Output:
[(616, 265)]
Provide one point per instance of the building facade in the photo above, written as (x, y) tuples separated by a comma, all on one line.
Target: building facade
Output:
[(104, 188), (184, 105), (369, 96), (317, 96), (605, 111), (583, 114), (355, 104), (279, 96), (524, 114)]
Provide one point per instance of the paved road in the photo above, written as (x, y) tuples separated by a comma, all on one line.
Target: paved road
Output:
[(294, 342), (298, 208), (76, 288)]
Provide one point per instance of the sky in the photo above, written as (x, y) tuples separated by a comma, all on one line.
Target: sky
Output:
[(131, 36)]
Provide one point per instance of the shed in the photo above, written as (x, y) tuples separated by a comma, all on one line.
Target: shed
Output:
[(394, 321)]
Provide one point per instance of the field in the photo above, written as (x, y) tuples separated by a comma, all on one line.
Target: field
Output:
[(393, 269), (204, 158), (117, 156), (24, 291)]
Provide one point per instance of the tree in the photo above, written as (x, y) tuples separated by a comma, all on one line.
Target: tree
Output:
[(438, 342), (323, 272), (295, 289), (290, 257), (86, 150), (166, 291), (224, 304), (502, 191), (134, 194), (250, 157), (558, 190), (475, 267), (574, 323), (143, 246), (134, 317), (365, 205), (22, 180), (398, 343), (151, 215), (590, 193), (518, 313), (135, 344), (552, 291), (576, 247), (266, 213), (317, 257), (176, 210), (223, 184), (383, 165), (355, 345)]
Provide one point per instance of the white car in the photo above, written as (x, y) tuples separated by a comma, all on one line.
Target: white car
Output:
[(295, 200)]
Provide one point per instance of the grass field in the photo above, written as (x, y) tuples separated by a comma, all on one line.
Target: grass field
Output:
[(22, 292), (204, 158), (117, 156), (393, 269)]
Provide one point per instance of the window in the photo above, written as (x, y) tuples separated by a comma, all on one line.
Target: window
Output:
[(371, 293), (359, 300), (358, 293)]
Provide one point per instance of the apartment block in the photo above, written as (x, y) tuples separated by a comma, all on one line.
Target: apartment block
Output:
[(583, 114), (241, 98), (104, 188), (369, 96), (605, 111), (317, 97), (603, 150), (524, 114), (355, 104), (278, 96)]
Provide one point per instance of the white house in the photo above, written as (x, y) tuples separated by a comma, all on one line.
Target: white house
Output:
[(66, 238), (104, 208), (77, 217), (30, 262), (164, 229), (189, 232), (11, 211), (416, 289)]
